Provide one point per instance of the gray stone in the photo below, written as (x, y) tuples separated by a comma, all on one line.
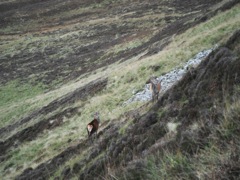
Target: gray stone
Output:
[(169, 79)]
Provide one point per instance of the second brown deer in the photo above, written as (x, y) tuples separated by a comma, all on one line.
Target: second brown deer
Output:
[(155, 88)]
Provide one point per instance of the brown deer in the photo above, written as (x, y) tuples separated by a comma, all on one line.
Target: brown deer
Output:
[(92, 127), (155, 88)]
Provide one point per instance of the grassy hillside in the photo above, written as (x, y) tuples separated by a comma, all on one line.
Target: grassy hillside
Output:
[(63, 60)]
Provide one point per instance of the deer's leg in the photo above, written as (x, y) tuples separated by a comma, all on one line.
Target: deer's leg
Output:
[(88, 132), (96, 135), (91, 137)]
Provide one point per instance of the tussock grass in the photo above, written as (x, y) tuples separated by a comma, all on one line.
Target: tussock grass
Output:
[(170, 166), (123, 129), (223, 147), (217, 160)]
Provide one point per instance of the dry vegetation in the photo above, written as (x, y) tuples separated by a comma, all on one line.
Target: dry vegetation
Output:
[(47, 59)]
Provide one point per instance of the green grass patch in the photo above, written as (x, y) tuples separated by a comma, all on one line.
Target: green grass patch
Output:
[(12, 98), (15, 91), (215, 31)]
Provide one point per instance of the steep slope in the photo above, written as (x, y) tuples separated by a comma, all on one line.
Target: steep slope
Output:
[(195, 120), (63, 60), (193, 126)]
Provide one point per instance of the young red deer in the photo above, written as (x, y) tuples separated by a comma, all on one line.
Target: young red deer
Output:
[(155, 88), (92, 127)]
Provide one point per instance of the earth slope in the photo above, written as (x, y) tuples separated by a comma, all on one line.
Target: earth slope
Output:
[(63, 60)]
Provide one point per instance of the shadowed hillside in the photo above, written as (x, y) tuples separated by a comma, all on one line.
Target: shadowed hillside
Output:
[(61, 61)]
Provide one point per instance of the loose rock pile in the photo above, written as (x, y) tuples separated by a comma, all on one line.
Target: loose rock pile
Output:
[(169, 79)]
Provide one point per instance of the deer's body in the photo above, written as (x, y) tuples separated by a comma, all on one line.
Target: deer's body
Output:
[(155, 88), (92, 127)]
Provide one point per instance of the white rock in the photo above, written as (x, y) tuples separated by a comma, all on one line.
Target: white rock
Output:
[(169, 79)]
